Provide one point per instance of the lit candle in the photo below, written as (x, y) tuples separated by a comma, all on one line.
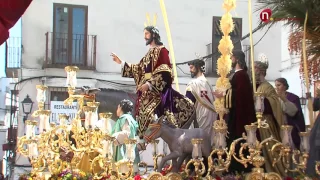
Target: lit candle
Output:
[(30, 149), (29, 127), (305, 146), (105, 125), (251, 134), (35, 150), (71, 75), (41, 93), (129, 153), (45, 120), (258, 104), (88, 119), (105, 146), (196, 151)]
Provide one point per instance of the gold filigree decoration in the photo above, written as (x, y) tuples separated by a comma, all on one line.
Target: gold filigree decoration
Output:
[(185, 108), (157, 82)]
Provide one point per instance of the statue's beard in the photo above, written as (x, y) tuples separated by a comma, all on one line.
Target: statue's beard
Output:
[(149, 41), (194, 74)]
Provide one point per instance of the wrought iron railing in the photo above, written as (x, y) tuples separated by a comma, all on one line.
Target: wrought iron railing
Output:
[(63, 49), (13, 51)]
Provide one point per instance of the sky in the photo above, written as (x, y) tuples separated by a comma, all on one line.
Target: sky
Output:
[(15, 31)]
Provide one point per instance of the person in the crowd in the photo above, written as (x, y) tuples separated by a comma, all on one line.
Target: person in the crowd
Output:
[(291, 107)]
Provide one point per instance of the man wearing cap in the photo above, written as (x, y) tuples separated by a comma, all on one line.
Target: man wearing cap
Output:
[(239, 101), (199, 91)]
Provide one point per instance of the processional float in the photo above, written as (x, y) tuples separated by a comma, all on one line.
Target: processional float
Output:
[(63, 146)]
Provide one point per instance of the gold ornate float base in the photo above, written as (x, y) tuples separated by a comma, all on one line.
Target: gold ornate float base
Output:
[(258, 174)]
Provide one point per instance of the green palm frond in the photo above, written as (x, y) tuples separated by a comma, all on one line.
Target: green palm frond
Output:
[(293, 14)]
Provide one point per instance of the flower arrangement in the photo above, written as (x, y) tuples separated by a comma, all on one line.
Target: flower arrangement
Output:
[(75, 175), (28, 176)]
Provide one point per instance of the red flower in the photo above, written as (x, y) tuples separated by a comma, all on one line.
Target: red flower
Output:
[(218, 178), (137, 177), (288, 178)]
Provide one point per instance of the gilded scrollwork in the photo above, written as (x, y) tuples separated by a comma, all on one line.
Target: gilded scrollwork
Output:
[(158, 83), (149, 101), (185, 109)]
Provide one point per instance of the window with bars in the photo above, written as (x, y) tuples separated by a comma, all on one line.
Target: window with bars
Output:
[(56, 94)]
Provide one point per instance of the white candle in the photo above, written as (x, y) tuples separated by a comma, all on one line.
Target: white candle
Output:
[(41, 95), (258, 104), (29, 131), (41, 124), (35, 150), (129, 153), (105, 146), (30, 149), (195, 151)]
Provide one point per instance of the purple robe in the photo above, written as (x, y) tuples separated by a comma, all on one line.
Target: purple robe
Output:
[(297, 121), (314, 154)]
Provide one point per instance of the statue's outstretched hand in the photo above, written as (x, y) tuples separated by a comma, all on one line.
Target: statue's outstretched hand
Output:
[(115, 58)]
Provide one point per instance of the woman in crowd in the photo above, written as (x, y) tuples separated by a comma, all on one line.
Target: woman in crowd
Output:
[(292, 110)]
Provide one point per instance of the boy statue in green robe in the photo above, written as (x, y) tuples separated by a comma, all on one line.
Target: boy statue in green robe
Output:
[(125, 127)]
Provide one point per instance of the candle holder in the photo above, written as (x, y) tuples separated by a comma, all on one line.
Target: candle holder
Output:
[(44, 124), (41, 96), (105, 158), (156, 155), (95, 116), (105, 117), (197, 159), (90, 117), (30, 129), (125, 166), (63, 118), (300, 158), (220, 150), (259, 106), (255, 149), (284, 149), (71, 75)]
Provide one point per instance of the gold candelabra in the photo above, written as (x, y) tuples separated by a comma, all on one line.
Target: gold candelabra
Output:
[(293, 159), (73, 145), (197, 159)]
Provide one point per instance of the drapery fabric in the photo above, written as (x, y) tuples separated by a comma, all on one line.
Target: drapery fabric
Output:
[(10, 13)]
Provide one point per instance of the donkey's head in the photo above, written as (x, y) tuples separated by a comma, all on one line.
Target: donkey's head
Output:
[(154, 129)]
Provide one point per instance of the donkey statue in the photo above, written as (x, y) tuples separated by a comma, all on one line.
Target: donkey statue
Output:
[(178, 140)]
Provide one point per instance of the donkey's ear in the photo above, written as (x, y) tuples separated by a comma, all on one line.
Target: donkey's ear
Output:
[(159, 120)]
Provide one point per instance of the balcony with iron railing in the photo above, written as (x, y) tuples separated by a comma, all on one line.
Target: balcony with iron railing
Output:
[(13, 51), (63, 49)]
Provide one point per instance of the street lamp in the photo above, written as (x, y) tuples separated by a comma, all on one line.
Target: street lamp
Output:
[(27, 104)]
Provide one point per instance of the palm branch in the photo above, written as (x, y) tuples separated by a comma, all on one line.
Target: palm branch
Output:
[(293, 14)]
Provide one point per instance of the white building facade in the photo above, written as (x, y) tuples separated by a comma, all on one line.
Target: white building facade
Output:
[(83, 33)]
